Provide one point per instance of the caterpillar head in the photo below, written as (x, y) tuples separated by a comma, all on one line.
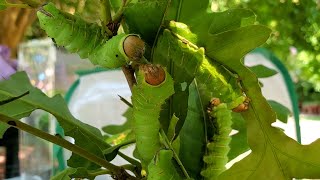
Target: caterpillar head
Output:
[(154, 74), (243, 106), (134, 47)]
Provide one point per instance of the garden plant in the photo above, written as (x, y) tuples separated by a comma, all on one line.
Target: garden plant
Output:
[(190, 88)]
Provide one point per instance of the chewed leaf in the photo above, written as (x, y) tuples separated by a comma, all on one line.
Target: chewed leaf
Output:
[(172, 128), (262, 71)]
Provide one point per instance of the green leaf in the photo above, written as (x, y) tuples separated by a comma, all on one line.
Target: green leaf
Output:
[(192, 135), (238, 144), (64, 175), (172, 128), (112, 152), (86, 136), (230, 46), (85, 173), (262, 71), (180, 10), (144, 18), (119, 138), (203, 22), (162, 168), (282, 112), (271, 148), (166, 51), (116, 129)]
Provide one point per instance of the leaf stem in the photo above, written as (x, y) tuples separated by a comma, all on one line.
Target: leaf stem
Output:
[(117, 17), (176, 157), (105, 14), (123, 100), (64, 143), (130, 160), (101, 172)]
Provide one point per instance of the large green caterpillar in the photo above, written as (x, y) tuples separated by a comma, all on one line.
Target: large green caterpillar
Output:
[(154, 86), (209, 75), (89, 40), (218, 147)]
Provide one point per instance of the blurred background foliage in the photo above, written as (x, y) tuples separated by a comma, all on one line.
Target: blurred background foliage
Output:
[(295, 38)]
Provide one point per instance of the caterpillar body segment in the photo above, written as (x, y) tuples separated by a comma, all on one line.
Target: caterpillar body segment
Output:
[(147, 100), (88, 40), (211, 82), (218, 147), (162, 168)]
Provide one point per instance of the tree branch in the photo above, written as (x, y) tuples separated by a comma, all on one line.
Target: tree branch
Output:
[(117, 171)]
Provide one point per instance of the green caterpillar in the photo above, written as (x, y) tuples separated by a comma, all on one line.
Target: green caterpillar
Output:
[(218, 148), (162, 168), (89, 40), (154, 86), (211, 79)]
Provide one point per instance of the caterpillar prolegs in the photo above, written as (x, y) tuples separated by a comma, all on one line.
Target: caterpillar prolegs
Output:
[(89, 40), (154, 86), (218, 147)]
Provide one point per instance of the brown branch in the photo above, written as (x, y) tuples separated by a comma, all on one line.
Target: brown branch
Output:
[(129, 74)]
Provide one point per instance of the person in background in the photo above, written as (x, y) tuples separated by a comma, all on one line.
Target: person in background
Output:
[(10, 139)]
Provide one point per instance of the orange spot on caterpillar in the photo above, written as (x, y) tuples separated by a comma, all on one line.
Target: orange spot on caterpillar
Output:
[(243, 106)]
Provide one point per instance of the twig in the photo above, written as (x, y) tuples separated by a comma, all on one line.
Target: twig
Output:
[(117, 17), (125, 101), (105, 14), (117, 171), (129, 74), (176, 157)]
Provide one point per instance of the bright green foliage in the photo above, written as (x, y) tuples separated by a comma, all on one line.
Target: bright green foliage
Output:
[(192, 135), (147, 99), (85, 135), (162, 168), (295, 24), (192, 44), (139, 19), (281, 111)]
